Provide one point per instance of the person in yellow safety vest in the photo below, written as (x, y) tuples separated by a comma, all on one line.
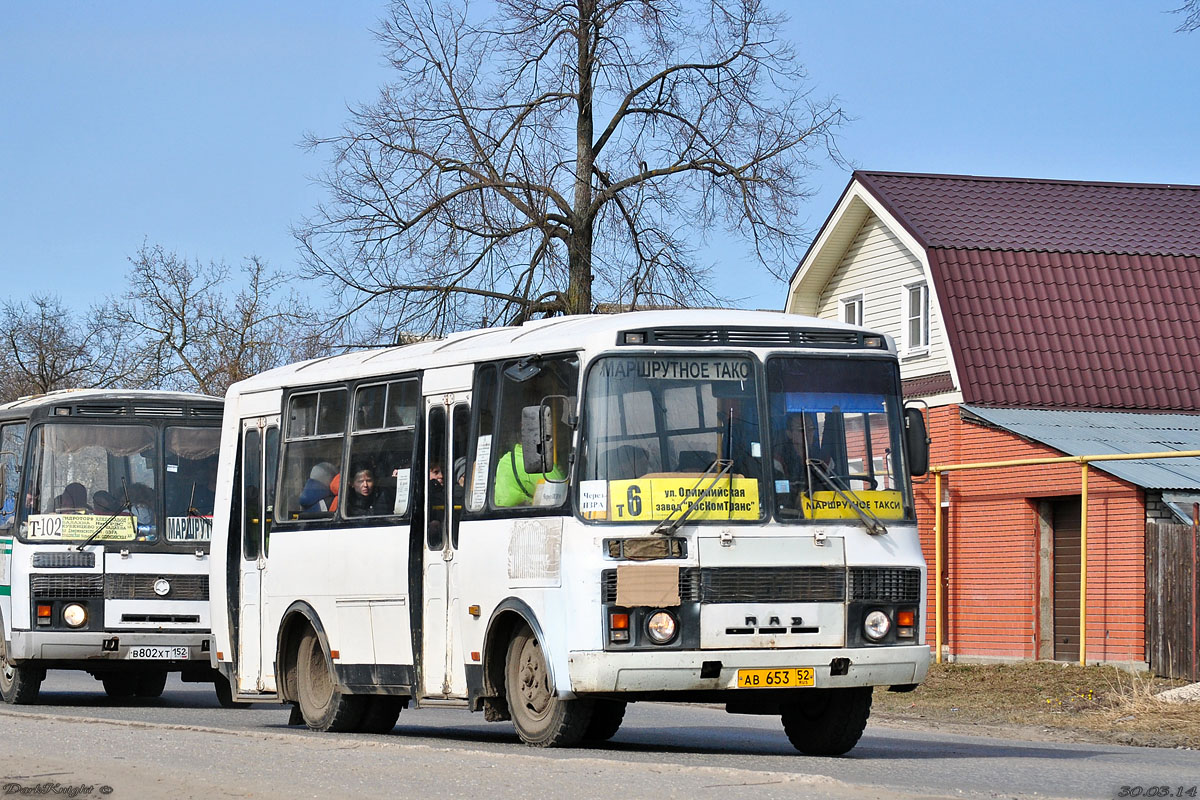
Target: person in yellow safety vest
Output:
[(515, 486)]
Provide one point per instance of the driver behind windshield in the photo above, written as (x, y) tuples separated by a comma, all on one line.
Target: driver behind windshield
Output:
[(792, 454)]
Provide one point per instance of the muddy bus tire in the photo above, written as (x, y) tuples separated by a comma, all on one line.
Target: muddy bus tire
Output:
[(827, 722), (324, 706), (380, 714), (19, 685), (542, 718)]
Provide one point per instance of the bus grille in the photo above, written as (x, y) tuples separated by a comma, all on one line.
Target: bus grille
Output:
[(46, 587), (141, 587), (749, 585), (765, 584), (69, 559), (884, 583)]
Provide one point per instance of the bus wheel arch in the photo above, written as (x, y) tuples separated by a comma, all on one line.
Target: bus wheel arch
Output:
[(507, 620), (299, 618)]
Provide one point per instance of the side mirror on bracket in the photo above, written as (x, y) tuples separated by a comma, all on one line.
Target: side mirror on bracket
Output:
[(537, 439), (916, 441)]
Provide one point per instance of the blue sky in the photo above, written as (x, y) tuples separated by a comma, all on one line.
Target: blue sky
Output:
[(178, 123)]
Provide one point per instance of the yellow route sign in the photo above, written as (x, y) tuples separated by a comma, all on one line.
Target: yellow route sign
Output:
[(648, 499), (830, 505), (80, 526)]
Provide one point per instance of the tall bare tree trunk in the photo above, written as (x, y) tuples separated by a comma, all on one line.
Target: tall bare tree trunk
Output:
[(579, 243)]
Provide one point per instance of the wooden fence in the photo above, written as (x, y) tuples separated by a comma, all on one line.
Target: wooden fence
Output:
[(1172, 597)]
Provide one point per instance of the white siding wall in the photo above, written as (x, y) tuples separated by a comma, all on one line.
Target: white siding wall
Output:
[(878, 267)]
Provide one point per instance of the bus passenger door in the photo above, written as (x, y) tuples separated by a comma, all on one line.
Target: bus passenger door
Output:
[(256, 644), (443, 670)]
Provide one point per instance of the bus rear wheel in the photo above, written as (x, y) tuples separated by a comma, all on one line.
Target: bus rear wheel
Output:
[(19, 685), (827, 722), (324, 706), (542, 719), (380, 714)]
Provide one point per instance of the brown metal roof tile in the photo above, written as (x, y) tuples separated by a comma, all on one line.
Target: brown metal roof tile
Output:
[(1049, 332), (967, 211)]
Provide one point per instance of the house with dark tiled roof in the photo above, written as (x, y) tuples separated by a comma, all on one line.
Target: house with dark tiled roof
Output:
[(1036, 318)]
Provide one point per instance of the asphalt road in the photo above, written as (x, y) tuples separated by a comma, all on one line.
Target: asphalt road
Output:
[(185, 745)]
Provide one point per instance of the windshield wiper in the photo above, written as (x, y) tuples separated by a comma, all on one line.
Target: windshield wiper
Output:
[(668, 526), (126, 506), (874, 524)]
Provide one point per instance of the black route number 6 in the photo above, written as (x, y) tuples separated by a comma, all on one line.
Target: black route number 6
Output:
[(634, 499)]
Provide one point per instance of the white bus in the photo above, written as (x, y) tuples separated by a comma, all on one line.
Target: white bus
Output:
[(104, 535), (547, 522)]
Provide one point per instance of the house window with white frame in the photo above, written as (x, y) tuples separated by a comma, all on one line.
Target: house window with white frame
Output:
[(852, 310), (916, 317)]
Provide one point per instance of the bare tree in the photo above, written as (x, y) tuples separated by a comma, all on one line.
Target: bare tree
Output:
[(44, 346), (564, 153), (197, 332), (1191, 16)]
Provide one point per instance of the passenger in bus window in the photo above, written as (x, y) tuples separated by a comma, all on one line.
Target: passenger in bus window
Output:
[(73, 498), (335, 487), (792, 455), (316, 494), (460, 480), (106, 503), (437, 485), (365, 499), (141, 503)]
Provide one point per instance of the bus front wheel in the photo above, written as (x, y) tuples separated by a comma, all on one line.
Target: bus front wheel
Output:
[(827, 722), (541, 717), (324, 706), (19, 685)]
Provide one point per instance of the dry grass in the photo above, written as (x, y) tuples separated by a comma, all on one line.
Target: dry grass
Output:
[(1101, 704)]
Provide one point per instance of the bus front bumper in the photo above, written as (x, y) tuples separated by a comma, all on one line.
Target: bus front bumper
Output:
[(108, 646), (664, 670)]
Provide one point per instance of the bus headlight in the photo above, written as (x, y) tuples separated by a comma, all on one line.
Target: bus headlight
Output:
[(75, 615), (876, 625), (661, 627)]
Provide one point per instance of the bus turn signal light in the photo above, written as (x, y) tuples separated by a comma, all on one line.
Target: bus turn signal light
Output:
[(618, 627), (43, 614), (906, 621)]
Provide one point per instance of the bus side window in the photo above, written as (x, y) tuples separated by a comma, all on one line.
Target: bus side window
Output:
[(314, 432), (12, 445), (538, 396), (381, 440)]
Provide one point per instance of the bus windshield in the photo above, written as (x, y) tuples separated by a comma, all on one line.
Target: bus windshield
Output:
[(103, 480), (836, 426), (662, 431)]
